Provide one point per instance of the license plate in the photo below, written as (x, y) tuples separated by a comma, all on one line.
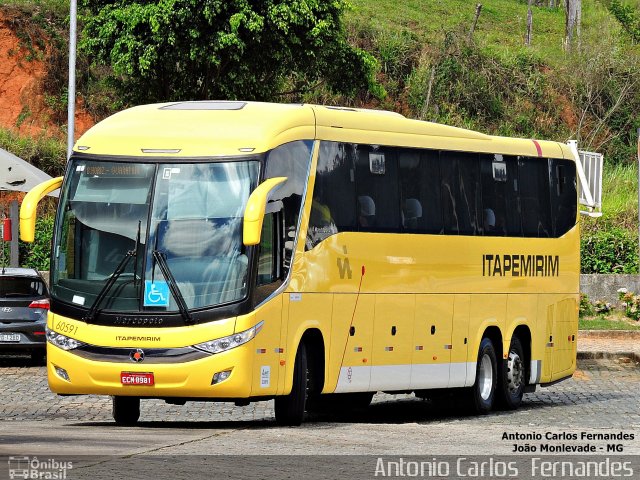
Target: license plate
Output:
[(137, 378), (9, 337)]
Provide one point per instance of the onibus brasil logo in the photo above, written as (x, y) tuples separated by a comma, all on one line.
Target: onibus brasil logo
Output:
[(32, 468)]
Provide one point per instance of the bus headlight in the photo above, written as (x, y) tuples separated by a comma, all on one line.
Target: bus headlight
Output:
[(232, 341), (62, 341)]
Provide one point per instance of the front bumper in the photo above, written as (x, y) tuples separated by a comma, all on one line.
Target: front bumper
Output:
[(192, 379), (29, 340)]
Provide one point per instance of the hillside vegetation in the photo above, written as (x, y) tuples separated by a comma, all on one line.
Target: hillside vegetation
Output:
[(430, 67)]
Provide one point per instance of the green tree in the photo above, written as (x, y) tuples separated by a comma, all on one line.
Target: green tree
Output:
[(233, 49), (628, 17)]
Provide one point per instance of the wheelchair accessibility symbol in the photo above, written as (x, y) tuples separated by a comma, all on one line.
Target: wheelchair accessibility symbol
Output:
[(156, 294)]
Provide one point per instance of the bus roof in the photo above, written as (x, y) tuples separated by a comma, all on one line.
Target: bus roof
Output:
[(228, 128)]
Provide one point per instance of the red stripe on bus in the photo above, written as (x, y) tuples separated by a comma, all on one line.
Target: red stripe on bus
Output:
[(538, 148)]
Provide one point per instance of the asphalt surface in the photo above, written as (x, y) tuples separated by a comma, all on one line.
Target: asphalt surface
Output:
[(598, 409)]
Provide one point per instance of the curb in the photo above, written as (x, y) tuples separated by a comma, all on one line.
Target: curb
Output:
[(632, 356), (626, 334)]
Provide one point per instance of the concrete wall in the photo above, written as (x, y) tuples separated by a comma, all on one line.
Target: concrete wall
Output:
[(605, 287)]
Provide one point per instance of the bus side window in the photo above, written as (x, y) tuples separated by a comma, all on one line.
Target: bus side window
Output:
[(267, 251), (420, 198), (563, 196), (535, 203), (499, 196), (377, 189), (460, 193), (289, 160), (270, 257), (333, 208)]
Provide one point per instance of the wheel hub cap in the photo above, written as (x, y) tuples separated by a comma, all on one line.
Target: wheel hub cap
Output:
[(515, 373), (485, 377)]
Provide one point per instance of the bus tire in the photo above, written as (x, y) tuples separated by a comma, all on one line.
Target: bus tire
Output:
[(126, 410), (512, 377), (290, 408), (481, 396)]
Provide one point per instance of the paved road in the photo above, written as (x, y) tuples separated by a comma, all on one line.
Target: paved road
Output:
[(177, 442), (603, 396)]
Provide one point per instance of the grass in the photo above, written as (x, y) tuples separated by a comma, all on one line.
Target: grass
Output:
[(619, 199), (46, 153), (501, 25), (603, 323), (54, 6)]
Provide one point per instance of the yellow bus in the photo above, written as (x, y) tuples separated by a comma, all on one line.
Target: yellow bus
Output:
[(239, 251)]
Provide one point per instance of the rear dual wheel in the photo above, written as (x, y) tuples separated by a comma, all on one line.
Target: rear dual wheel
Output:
[(513, 377)]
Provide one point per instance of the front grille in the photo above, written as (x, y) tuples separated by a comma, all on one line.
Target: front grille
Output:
[(151, 355)]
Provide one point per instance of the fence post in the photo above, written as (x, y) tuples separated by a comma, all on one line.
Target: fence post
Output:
[(14, 214)]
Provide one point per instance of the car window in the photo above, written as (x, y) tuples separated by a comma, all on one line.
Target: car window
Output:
[(21, 287)]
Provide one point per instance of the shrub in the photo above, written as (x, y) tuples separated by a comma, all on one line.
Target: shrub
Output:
[(37, 254), (609, 251), (586, 309), (631, 303)]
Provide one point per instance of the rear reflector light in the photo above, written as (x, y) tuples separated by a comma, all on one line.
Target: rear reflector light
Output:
[(40, 304), (39, 333)]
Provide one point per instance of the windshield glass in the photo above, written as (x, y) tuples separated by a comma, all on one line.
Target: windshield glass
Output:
[(196, 224), (104, 210), (196, 215)]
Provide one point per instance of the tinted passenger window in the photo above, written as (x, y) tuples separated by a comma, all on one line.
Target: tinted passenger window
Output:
[(334, 195), (460, 193), (420, 197), (377, 189), (563, 195), (500, 202), (533, 174)]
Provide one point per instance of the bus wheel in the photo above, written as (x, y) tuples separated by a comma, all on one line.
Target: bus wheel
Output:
[(290, 408), (126, 410), (482, 394), (513, 377)]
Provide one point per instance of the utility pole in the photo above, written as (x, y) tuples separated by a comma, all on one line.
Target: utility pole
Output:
[(71, 100)]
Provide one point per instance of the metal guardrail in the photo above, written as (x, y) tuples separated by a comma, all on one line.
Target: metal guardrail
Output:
[(589, 166)]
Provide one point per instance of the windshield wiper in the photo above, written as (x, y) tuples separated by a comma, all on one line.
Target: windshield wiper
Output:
[(173, 285), (107, 286)]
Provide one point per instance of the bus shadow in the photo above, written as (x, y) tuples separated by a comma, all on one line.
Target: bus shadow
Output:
[(398, 411), (186, 424), (414, 410)]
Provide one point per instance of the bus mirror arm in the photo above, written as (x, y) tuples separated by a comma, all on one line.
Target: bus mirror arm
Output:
[(255, 210), (30, 204)]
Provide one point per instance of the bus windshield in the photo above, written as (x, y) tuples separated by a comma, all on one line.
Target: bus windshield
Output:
[(117, 217)]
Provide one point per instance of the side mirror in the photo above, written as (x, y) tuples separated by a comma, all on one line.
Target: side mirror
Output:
[(30, 204), (255, 209)]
